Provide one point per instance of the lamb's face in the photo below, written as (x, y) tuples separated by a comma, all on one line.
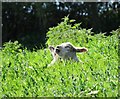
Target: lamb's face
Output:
[(65, 50)]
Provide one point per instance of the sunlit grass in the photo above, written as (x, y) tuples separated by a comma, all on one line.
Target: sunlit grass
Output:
[(25, 73)]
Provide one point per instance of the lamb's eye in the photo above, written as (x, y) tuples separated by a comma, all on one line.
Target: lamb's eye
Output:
[(67, 46)]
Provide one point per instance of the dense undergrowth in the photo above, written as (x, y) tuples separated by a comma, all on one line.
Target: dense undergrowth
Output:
[(25, 73)]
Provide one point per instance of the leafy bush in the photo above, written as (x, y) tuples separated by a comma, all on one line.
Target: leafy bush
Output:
[(65, 32), (25, 73)]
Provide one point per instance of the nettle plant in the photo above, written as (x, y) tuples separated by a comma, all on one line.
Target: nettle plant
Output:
[(66, 32), (25, 73)]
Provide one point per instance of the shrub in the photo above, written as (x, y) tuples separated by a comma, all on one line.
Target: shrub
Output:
[(25, 73)]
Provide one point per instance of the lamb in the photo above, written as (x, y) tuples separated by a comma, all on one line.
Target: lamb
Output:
[(65, 51)]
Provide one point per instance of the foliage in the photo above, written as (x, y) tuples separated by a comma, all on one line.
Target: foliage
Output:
[(25, 73), (65, 32)]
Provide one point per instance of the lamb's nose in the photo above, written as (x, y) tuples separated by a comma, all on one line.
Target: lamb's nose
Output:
[(57, 50)]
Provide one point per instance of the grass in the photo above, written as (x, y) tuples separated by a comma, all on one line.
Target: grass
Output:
[(25, 73)]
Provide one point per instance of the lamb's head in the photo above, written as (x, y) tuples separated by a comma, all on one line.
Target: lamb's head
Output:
[(66, 51)]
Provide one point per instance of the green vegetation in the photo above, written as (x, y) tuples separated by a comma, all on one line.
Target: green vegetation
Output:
[(25, 73)]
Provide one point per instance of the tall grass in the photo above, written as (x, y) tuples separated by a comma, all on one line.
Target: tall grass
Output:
[(25, 73)]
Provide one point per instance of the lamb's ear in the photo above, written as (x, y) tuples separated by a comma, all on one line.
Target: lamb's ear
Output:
[(83, 49), (51, 48)]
